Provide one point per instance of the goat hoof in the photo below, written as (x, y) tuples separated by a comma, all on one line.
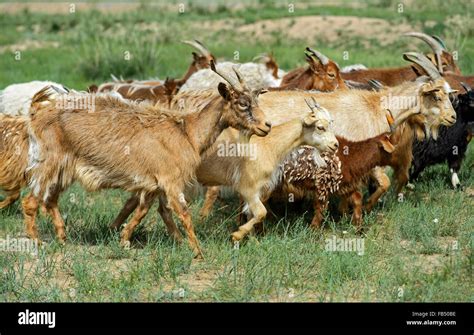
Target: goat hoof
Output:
[(237, 236), (125, 244)]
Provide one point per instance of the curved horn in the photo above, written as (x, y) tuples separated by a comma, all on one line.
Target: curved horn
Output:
[(199, 47), (213, 68), (434, 45), (422, 61), (440, 41), (322, 58), (261, 57), (240, 78), (466, 87)]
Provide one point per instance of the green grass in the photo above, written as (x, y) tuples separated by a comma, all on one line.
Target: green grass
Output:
[(416, 250)]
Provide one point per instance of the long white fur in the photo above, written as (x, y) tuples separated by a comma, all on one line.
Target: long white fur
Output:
[(256, 76)]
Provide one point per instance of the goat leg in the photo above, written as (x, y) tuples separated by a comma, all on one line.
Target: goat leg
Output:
[(125, 212), (179, 206), (258, 211), (167, 217), (30, 206), (356, 202), (319, 208), (383, 184), (11, 198), (52, 207), (454, 164), (211, 196), (140, 213)]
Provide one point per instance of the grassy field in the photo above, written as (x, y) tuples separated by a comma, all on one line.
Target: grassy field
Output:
[(417, 249)]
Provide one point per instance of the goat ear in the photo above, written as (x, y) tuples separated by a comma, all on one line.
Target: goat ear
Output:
[(387, 145), (310, 119), (224, 91), (195, 56)]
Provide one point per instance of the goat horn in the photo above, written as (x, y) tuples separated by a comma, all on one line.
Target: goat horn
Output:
[(434, 45), (261, 57), (213, 68), (423, 62), (199, 47), (322, 58), (440, 41), (466, 87), (240, 78)]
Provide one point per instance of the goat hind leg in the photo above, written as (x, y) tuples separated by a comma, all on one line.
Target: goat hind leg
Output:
[(179, 206), (10, 199), (125, 212), (167, 217), (140, 213), (211, 196), (383, 184)]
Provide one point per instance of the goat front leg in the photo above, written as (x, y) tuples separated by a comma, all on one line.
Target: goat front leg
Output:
[(140, 212), (179, 206), (383, 184), (167, 216), (258, 211), (211, 196), (125, 212), (30, 206), (356, 202), (319, 208), (454, 164), (10, 199)]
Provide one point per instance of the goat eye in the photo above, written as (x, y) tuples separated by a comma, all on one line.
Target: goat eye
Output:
[(331, 75), (321, 128)]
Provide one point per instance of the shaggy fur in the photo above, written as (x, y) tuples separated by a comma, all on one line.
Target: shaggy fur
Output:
[(13, 157), (132, 146)]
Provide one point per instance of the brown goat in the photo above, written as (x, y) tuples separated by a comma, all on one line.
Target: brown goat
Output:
[(133, 147), (159, 91), (322, 74), (343, 175), (441, 58)]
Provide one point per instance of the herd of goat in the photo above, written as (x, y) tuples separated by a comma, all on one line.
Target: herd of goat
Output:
[(316, 131)]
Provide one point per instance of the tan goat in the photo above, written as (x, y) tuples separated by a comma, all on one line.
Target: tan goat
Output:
[(130, 146), (252, 177)]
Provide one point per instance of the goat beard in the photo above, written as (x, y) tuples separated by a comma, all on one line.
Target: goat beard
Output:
[(244, 136)]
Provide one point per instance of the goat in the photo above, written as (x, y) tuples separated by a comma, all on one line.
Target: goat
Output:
[(158, 93), (441, 58), (15, 99), (131, 146), (322, 75), (253, 176), (361, 114), (258, 75), (452, 142), (343, 175), (200, 61)]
